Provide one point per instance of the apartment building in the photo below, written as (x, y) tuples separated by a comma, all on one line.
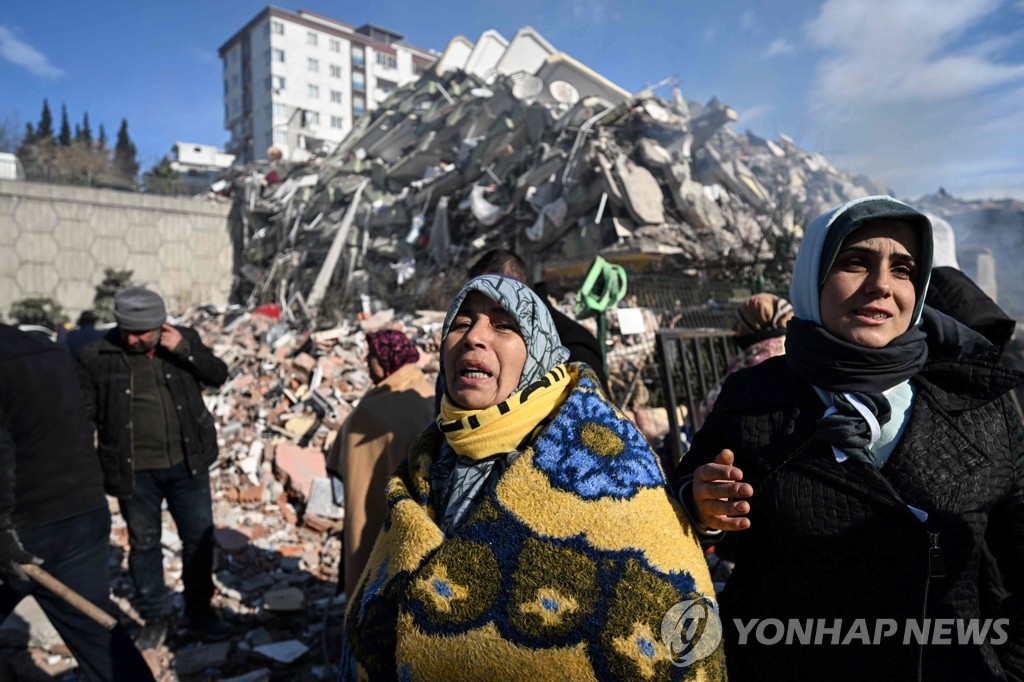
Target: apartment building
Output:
[(299, 80)]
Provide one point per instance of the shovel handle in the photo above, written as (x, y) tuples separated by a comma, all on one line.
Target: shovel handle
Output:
[(70, 596)]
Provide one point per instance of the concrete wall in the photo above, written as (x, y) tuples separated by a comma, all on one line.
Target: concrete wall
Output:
[(55, 241)]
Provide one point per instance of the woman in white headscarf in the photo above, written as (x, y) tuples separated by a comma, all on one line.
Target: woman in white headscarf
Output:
[(861, 470), (530, 534)]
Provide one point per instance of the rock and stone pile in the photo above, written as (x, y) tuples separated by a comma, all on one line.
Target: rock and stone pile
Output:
[(451, 165)]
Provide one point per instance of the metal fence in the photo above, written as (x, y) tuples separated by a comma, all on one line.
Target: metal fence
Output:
[(689, 303), (690, 363)]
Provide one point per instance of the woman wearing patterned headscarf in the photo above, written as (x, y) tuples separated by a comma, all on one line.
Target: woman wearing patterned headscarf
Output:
[(373, 440), (529, 534), (862, 470)]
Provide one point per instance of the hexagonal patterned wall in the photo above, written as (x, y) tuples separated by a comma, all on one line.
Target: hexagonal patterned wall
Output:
[(56, 241)]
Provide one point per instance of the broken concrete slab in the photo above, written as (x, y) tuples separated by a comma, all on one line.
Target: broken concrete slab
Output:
[(288, 600), (194, 659), (283, 652), (299, 466)]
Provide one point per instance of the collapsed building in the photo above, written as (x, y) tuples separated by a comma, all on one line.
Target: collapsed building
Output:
[(510, 143)]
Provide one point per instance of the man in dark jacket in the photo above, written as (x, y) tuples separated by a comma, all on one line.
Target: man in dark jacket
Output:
[(51, 503), (143, 387)]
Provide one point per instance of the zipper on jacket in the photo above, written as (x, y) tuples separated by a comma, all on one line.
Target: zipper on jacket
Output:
[(131, 421), (936, 569)]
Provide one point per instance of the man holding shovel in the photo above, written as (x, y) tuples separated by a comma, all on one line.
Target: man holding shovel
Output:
[(52, 508)]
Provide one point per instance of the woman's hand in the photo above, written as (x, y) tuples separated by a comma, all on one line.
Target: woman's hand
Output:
[(716, 491)]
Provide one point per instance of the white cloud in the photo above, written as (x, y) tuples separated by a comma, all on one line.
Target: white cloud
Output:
[(919, 93), (21, 53), (779, 47), (885, 51)]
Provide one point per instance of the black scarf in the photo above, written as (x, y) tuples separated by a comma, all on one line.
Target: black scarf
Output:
[(839, 367)]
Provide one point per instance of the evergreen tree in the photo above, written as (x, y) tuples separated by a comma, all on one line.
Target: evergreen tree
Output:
[(30, 136), (65, 128), (45, 128), (125, 152), (101, 139), (78, 133), (113, 281), (86, 133)]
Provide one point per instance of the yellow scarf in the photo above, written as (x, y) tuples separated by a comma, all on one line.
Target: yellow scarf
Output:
[(479, 434)]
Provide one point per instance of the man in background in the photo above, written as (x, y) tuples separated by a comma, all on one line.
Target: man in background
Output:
[(52, 508), (143, 388)]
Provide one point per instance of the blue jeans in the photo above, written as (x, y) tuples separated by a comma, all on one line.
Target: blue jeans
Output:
[(75, 552), (188, 500)]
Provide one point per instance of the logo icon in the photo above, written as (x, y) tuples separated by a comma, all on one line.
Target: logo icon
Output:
[(691, 630)]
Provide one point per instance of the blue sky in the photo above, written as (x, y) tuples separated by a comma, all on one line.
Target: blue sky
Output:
[(917, 93)]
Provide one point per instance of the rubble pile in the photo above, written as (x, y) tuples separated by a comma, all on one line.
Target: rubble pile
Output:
[(455, 163), (277, 512)]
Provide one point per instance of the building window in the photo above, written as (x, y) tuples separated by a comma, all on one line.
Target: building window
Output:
[(266, 57), (358, 80), (313, 65), (418, 70), (358, 105), (335, 97), (310, 38), (335, 71), (337, 122), (313, 91), (279, 82), (388, 61), (335, 45), (281, 137), (310, 118), (386, 87), (278, 55), (277, 27), (358, 55), (280, 110)]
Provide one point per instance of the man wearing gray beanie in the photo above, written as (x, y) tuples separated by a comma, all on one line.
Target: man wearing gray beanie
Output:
[(143, 386)]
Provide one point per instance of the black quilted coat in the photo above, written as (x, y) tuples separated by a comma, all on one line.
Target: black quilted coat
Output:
[(837, 540)]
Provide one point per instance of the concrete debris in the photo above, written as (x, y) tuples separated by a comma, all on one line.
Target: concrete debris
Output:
[(285, 652), (513, 143), (201, 657), (288, 599)]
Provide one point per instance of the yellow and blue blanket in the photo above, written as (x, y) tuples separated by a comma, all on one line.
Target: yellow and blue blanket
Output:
[(565, 570)]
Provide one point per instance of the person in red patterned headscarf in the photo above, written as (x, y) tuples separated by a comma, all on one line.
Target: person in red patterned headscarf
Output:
[(375, 438), (389, 350)]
